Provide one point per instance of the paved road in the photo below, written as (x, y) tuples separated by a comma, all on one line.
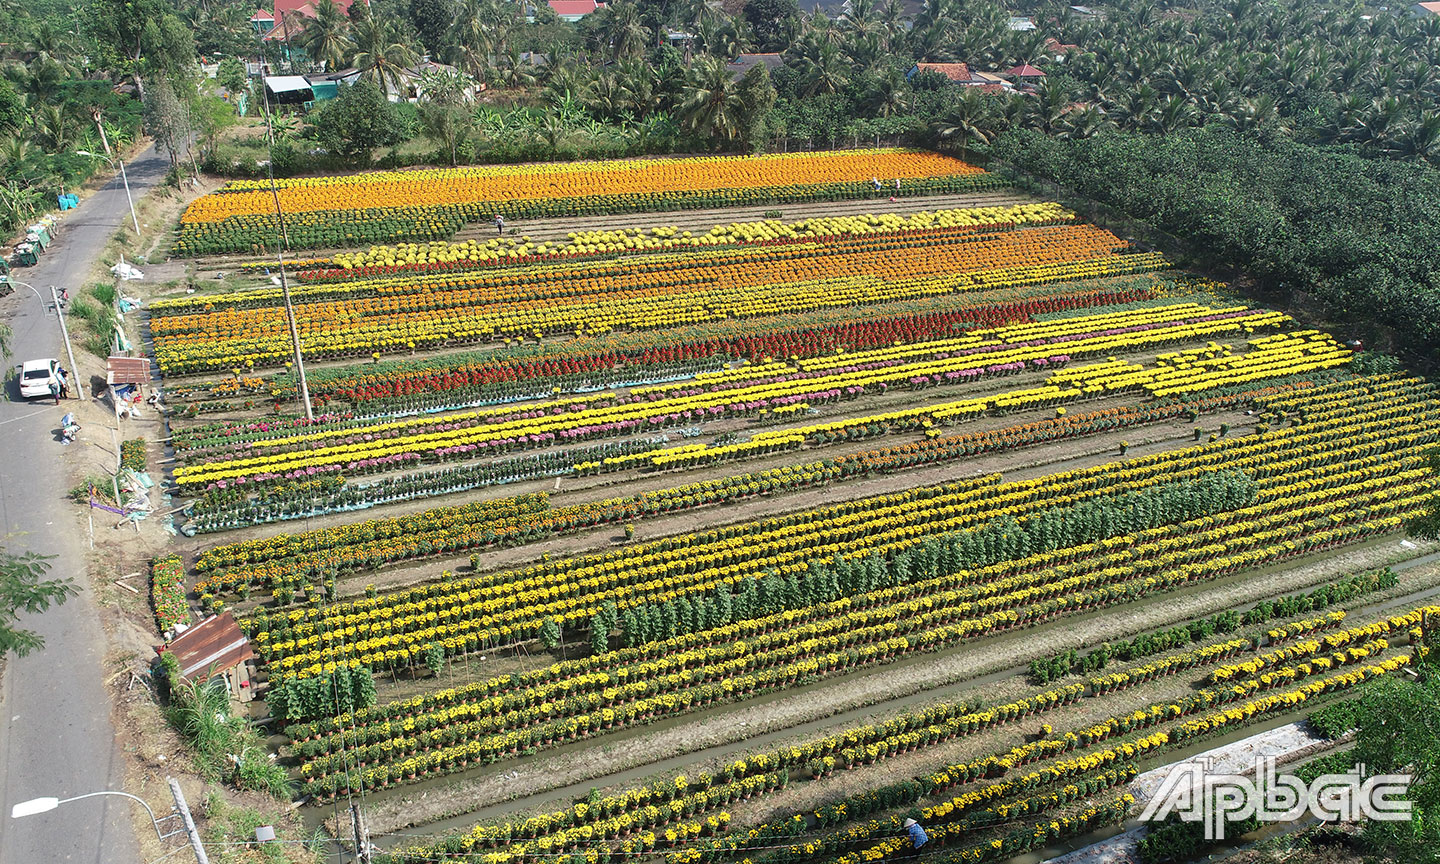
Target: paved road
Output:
[(56, 737)]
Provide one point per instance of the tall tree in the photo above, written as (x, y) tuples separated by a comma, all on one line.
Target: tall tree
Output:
[(711, 105), (326, 37), (1399, 733), (127, 33), (473, 37), (357, 121), (432, 20), (619, 27), (774, 22), (970, 120), (167, 119), (383, 54), (445, 116)]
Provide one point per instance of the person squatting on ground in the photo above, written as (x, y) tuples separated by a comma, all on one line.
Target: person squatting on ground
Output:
[(918, 839)]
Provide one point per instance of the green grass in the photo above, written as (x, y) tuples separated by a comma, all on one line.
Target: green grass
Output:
[(106, 293), (226, 748), (93, 318), (236, 824)]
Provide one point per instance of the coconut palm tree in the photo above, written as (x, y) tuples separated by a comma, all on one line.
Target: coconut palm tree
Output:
[(54, 129), (725, 38), (823, 69), (622, 30), (1421, 138), (889, 95), (1047, 108), (513, 70), (50, 44), (473, 36), (892, 24), (1175, 113), (326, 37), (14, 150), (969, 120), (1254, 115), (383, 53), (710, 104), (1080, 123), (606, 96), (638, 83)]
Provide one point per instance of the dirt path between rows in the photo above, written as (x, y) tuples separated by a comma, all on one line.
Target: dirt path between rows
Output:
[(988, 667)]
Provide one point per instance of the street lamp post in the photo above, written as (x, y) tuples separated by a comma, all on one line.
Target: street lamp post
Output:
[(123, 179), (45, 805), (64, 331), (179, 810)]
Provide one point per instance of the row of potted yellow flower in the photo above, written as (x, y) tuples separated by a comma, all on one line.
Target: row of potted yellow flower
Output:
[(495, 745), (1318, 452), (476, 433)]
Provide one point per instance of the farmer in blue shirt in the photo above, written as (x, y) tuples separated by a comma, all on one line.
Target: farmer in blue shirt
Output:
[(918, 838)]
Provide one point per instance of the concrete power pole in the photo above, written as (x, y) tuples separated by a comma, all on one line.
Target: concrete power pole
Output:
[(362, 837), (180, 805)]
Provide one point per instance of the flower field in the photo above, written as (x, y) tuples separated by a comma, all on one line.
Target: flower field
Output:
[(433, 203), (618, 483)]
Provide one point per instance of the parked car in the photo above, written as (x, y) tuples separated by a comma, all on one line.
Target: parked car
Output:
[(35, 377)]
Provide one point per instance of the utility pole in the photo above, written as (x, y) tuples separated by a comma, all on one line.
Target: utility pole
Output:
[(118, 160), (281, 242), (362, 837), (65, 332), (180, 805)]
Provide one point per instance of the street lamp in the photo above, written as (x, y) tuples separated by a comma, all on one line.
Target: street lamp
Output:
[(123, 179), (180, 811), (45, 805), (64, 331)]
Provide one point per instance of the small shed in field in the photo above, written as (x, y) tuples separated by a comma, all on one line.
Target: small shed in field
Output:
[(215, 647)]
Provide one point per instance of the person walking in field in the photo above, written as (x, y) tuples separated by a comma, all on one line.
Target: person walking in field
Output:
[(500, 224), (918, 839)]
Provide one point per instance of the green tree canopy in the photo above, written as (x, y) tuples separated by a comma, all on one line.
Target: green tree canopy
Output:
[(1399, 733), (774, 22), (23, 590), (357, 121)]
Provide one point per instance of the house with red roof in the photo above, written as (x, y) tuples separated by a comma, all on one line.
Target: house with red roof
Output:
[(1059, 49), (573, 10), (958, 73), (1024, 72), (963, 75), (1420, 10), (745, 62), (262, 21)]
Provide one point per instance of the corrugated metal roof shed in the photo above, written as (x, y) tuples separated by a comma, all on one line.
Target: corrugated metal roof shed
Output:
[(216, 644), (127, 370)]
